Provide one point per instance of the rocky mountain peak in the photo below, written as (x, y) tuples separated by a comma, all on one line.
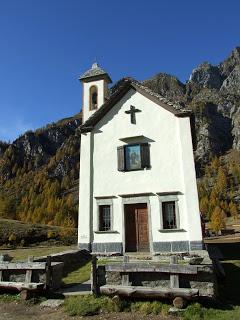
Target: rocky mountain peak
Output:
[(227, 66), (207, 76), (166, 85)]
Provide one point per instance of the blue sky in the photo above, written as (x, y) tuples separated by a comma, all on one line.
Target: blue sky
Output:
[(46, 44)]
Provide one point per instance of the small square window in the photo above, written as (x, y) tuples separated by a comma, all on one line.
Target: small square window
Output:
[(169, 215), (104, 217)]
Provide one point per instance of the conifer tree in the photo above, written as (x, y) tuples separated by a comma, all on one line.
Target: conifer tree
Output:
[(218, 219)]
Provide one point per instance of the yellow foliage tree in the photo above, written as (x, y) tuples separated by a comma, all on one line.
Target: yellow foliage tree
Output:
[(218, 219), (233, 210)]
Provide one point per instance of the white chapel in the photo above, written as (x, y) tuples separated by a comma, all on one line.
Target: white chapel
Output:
[(138, 189)]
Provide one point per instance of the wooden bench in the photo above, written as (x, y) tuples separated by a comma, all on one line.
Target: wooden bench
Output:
[(28, 267), (126, 289), (174, 269)]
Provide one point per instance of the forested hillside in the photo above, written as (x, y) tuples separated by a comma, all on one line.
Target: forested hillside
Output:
[(36, 173), (39, 170)]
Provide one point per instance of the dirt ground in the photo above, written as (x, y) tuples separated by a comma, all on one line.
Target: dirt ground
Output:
[(24, 311)]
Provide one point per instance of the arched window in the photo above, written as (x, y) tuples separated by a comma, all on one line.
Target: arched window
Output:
[(93, 96)]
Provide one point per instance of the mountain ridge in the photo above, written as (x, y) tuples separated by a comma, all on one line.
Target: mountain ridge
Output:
[(39, 170)]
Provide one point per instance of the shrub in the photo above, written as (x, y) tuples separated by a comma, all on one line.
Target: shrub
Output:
[(147, 307), (194, 312), (7, 298), (12, 238), (89, 305), (156, 307), (51, 234)]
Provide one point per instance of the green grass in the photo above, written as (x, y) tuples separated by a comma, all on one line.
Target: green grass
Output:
[(21, 254), (197, 312), (149, 307), (7, 298), (90, 305), (80, 275), (83, 273)]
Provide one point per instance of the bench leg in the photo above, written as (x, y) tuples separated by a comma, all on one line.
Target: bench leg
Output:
[(179, 303), (26, 294)]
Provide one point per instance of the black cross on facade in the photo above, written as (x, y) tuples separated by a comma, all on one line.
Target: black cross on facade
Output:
[(133, 112)]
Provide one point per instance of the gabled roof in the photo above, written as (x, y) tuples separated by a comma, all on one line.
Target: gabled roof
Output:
[(95, 71), (120, 89)]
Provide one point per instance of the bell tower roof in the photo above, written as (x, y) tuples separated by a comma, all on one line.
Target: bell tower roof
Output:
[(96, 72)]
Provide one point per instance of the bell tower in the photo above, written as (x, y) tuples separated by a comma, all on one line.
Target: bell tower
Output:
[(95, 89)]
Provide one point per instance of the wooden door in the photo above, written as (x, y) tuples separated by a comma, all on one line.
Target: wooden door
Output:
[(136, 227)]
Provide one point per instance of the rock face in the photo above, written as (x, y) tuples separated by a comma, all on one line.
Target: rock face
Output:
[(207, 76), (166, 85), (231, 85), (227, 66), (213, 93), (3, 147), (33, 150)]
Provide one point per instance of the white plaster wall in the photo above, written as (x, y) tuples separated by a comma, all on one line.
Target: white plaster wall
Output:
[(154, 123), (85, 200), (189, 179), (172, 167), (102, 87)]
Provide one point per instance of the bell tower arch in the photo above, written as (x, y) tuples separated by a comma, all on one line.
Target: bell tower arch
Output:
[(95, 89)]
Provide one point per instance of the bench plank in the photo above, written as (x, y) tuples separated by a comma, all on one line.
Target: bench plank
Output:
[(22, 265), (141, 267), (21, 285), (158, 292)]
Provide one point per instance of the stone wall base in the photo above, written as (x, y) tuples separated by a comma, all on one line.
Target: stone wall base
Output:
[(158, 247)]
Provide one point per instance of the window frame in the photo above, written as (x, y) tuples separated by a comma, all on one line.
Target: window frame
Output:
[(101, 218), (169, 198), (141, 145), (104, 202)]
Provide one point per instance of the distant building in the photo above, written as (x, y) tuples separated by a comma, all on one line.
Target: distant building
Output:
[(137, 178)]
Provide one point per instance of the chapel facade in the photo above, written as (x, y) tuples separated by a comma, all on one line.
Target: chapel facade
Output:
[(138, 189)]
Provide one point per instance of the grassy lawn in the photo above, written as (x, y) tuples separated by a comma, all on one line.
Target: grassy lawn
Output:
[(83, 273), (80, 275), (21, 254)]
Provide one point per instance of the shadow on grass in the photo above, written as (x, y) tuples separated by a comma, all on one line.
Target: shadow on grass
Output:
[(78, 272), (85, 258), (229, 288)]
